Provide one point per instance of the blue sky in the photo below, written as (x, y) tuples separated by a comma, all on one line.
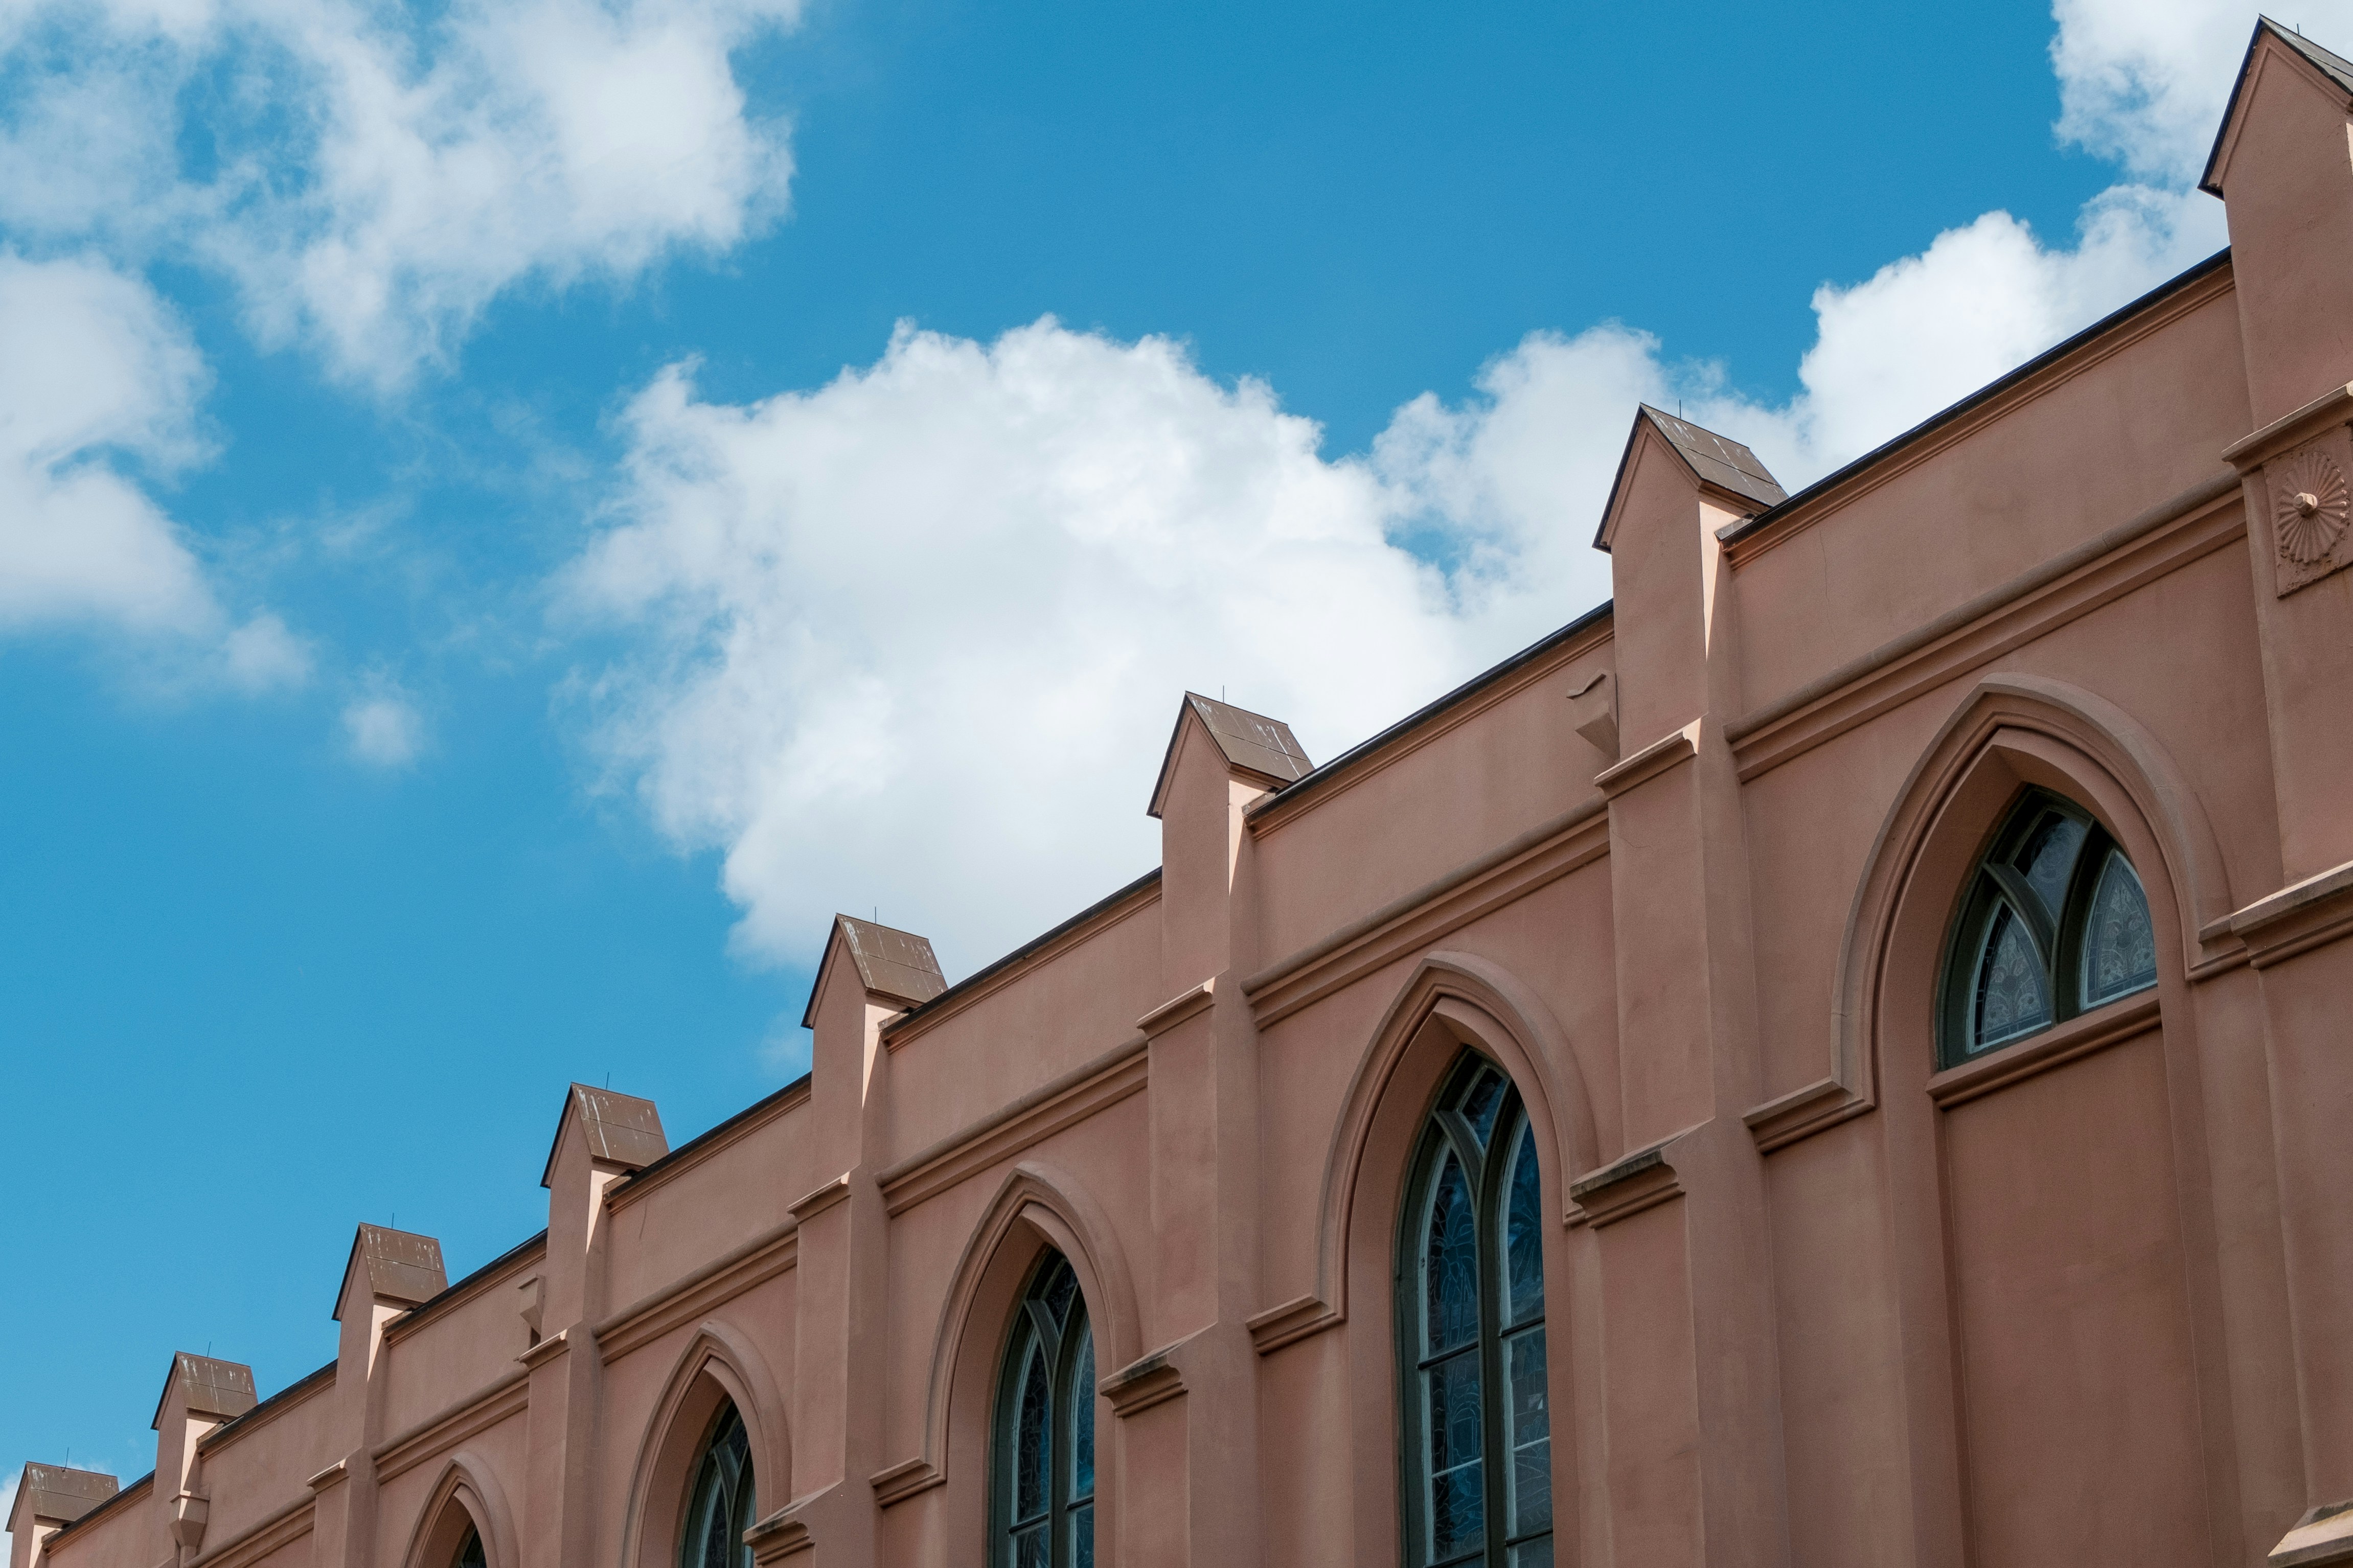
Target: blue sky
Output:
[(510, 516)]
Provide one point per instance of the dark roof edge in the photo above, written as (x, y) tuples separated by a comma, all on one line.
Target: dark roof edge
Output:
[(1991, 389), (705, 1136), (435, 1305), (1423, 714), (1100, 906), (122, 1493), (301, 1386)]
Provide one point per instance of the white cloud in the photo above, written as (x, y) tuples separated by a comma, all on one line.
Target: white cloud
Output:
[(383, 727), (373, 182), (99, 380), (917, 636), (7, 1506)]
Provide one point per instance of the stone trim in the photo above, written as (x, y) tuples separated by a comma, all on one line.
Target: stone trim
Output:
[(1503, 875), (1301, 1318), (2159, 540), (909, 1478), (477, 1412), (2078, 1037), (1036, 1116), (290, 1523), (1642, 1180), (1649, 762), (2299, 916), (671, 1306), (1140, 1385)]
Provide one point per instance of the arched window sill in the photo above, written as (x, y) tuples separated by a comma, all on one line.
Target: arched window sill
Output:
[(2079, 1036)]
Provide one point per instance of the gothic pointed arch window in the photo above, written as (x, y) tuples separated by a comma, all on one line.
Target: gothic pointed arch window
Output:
[(1471, 1333), (719, 1509), (2053, 923), (1042, 1501), (472, 1555)]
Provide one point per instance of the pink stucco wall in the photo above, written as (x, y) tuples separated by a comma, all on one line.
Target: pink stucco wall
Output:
[(1812, 1301)]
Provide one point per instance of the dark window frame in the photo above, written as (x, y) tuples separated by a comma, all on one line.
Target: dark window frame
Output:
[(722, 1462), (1996, 882), (1033, 1325), (1445, 1131)]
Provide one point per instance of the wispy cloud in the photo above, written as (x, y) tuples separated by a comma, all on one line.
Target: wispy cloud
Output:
[(383, 727)]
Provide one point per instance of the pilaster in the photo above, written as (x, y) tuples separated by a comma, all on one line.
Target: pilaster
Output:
[(600, 1137), (48, 1497), (1203, 1145), (388, 1272), (1695, 1470), (199, 1394), (2283, 163), (870, 974)]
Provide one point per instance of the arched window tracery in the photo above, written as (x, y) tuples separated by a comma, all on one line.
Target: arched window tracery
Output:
[(1471, 1332), (719, 1508), (2054, 922), (1043, 1507)]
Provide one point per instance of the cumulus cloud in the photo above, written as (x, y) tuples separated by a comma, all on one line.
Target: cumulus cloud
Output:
[(99, 381), (372, 181), (383, 727), (917, 636)]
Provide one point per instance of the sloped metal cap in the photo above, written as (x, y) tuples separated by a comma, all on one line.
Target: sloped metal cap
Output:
[(401, 1266), (1253, 743), (222, 1390), (622, 1129), (893, 963), (1714, 459), (2335, 67), (53, 1494)]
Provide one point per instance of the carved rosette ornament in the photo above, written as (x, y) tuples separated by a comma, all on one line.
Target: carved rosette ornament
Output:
[(2310, 507)]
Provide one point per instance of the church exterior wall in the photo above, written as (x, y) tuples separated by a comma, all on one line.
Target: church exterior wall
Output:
[(1687, 874)]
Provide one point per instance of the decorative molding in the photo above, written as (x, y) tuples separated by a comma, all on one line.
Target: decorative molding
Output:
[(674, 1305), (2158, 541), (477, 1412), (1178, 1008), (547, 1350), (1876, 469), (1642, 1180), (2323, 1535), (292, 1398), (1802, 1112), (819, 1198), (1138, 1386), (1065, 1101), (290, 1523), (727, 1135), (335, 1475), (1502, 876), (909, 1478), (2249, 453), (2309, 507), (2063, 1042), (1649, 762), (1288, 807), (2299, 916), (1084, 927), (1292, 1321), (776, 1539)]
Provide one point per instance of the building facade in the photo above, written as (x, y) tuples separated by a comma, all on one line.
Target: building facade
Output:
[(1841, 1057)]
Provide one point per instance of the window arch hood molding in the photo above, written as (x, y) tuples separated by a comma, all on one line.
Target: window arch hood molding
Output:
[(1039, 1205), (1454, 1001), (2013, 732), (466, 1500), (719, 1365)]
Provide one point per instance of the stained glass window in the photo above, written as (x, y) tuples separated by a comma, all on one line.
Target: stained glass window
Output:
[(721, 1506), (471, 1554), (1472, 1334), (2054, 922), (1043, 1515)]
